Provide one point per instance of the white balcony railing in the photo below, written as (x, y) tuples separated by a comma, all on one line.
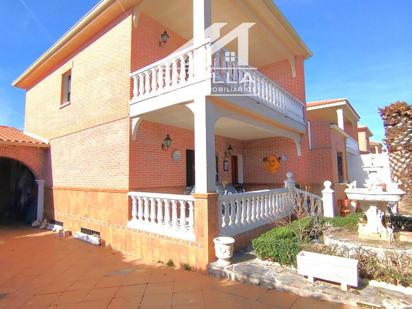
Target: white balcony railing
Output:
[(168, 74), (254, 84), (352, 146), (165, 214), (179, 70)]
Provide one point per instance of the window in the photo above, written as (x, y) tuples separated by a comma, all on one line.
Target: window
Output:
[(66, 87), (341, 178)]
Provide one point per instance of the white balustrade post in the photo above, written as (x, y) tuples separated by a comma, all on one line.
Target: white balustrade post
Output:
[(134, 208), (135, 87), (191, 216), (289, 182), (159, 211), (182, 215), (328, 200), (174, 214), (140, 208)]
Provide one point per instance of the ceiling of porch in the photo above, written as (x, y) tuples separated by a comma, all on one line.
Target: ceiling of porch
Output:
[(269, 41), (182, 117)]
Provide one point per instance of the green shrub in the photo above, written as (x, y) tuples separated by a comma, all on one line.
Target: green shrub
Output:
[(186, 267), (170, 263), (350, 222)]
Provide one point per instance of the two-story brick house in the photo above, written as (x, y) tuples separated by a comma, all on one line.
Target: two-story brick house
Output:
[(127, 103)]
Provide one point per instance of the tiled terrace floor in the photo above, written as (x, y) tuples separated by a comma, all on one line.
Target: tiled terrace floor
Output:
[(37, 269)]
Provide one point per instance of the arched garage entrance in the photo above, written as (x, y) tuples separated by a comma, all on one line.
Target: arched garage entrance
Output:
[(18, 193)]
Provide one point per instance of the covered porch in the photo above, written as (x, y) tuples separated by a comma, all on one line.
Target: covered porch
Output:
[(191, 158)]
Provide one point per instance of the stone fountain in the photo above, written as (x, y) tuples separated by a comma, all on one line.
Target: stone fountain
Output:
[(375, 193)]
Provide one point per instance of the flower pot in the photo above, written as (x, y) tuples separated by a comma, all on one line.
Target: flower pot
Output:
[(224, 250)]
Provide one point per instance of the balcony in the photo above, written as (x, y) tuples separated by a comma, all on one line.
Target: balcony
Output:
[(188, 71), (352, 146)]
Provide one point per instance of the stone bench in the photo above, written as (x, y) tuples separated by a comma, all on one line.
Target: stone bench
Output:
[(328, 267)]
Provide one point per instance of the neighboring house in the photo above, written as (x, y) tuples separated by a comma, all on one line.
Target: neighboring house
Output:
[(364, 135), (333, 143), (376, 147), (128, 104)]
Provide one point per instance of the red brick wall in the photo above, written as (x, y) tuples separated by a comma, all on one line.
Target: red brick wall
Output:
[(100, 85), (32, 157), (145, 42), (93, 158), (281, 73), (153, 169)]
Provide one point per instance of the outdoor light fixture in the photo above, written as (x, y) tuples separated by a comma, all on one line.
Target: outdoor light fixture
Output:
[(225, 163), (229, 149), (164, 37), (283, 158), (167, 142)]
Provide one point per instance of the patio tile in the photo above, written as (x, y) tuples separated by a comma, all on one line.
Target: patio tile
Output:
[(101, 294), (69, 297), (87, 284), (44, 300), (159, 288), (281, 300), (156, 301), (131, 291), (125, 302), (187, 298)]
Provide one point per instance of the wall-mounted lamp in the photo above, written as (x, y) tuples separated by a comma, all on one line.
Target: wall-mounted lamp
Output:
[(164, 37), (225, 163), (229, 149), (283, 158), (166, 142)]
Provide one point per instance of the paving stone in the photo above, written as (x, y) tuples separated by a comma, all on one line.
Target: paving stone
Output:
[(272, 275)]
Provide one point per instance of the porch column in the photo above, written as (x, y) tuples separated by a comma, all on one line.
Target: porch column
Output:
[(40, 202), (205, 161), (201, 20), (339, 113)]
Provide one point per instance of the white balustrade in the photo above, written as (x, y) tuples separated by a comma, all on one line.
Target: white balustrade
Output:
[(253, 83), (242, 212), (166, 214), (167, 74), (178, 70)]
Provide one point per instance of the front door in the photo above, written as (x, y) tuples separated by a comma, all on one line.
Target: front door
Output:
[(233, 165), (190, 167)]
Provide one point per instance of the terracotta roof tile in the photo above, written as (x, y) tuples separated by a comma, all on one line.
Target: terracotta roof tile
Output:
[(13, 135), (325, 102)]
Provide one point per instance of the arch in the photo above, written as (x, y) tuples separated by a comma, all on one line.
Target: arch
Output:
[(32, 157), (22, 162), (18, 191)]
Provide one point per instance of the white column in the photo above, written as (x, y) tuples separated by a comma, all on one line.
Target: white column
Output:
[(40, 202), (205, 161), (339, 113), (201, 20), (328, 200)]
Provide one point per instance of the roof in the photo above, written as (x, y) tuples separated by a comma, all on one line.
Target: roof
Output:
[(101, 15), (363, 128), (331, 103), (13, 136)]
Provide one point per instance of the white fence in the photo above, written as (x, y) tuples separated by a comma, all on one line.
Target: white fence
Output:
[(242, 212), (173, 215), (165, 214)]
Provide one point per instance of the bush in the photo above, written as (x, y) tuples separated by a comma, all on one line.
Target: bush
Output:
[(283, 243), (350, 222)]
